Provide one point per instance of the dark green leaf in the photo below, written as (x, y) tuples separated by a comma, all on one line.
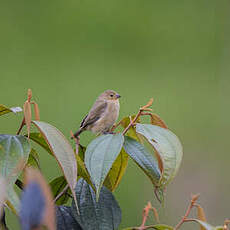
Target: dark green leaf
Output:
[(13, 149), (143, 158), (100, 156), (65, 219), (2, 194), (167, 145), (5, 110), (82, 171), (81, 152), (62, 151), (39, 139), (102, 215), (131, 132), (57, 185), (33, 159), (3, 221)]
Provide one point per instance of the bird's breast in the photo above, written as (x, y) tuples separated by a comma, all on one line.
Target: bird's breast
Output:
[(108, 118)]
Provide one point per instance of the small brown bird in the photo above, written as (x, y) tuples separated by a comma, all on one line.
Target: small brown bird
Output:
[(102, 115)]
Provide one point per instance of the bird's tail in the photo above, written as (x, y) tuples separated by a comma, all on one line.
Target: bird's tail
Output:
[(77, 133)]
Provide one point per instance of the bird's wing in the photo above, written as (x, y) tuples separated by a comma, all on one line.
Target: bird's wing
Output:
[(95, 113)]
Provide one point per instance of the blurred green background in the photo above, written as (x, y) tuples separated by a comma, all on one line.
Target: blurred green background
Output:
[(178, 52)]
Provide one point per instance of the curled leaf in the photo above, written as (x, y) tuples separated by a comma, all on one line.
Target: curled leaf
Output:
[(167, 145)]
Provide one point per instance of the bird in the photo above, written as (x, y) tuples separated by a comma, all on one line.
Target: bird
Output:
[(103, 114)]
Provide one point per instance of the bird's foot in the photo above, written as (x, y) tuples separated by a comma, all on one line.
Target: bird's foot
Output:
[(108, 132)]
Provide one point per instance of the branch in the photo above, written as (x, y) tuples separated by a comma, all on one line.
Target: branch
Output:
[(21, 126), (77, 141), (191, 205), (142, 109)]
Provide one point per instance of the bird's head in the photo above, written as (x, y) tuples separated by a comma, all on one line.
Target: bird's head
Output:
[(109, 95)]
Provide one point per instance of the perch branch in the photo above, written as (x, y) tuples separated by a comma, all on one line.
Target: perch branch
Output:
[(21, 126), (143, 108), (77, 141)]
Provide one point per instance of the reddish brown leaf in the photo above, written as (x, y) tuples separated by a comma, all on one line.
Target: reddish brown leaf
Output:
[(28, 115), (156, 120), (29, 95), (36, 111), (201, 215)]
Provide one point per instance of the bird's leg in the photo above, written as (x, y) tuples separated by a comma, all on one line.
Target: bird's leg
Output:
[(109, 131)]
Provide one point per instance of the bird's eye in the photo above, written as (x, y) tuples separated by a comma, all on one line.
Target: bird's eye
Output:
[(111, 95)]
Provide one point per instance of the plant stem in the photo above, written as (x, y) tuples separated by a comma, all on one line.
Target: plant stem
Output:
[(61, 193), (191, 205), (132, 122), (21, 126)]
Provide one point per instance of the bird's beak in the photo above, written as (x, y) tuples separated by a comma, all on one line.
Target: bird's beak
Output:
[(118, 96)]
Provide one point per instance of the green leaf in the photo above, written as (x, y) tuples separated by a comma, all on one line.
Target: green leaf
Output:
[(2, 194), (100, 156), (131, 132), (143, 158), (62, 151), (13, 200), (39, 139), (65, 219), (117, 171), (102, 215), (57, 185), (167, 145), (13, 149), (5, 110), (33, 159), (156, 227), (81, 152), (82, 171)]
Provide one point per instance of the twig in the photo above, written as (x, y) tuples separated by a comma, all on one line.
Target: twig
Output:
[(132, 122), (191, 205), (156, 194), (143, 108), (145, 215), (61, 193), (21, 126), (115, 126), (77, 141)]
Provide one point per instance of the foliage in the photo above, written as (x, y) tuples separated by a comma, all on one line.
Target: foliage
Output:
[(90, 174)]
